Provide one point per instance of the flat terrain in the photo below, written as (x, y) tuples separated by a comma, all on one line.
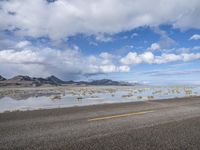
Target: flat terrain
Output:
[(166, 124)]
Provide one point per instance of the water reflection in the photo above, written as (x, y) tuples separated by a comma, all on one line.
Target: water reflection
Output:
[(61, 97)]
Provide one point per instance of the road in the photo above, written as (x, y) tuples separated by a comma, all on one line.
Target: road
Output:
[(166, 124)]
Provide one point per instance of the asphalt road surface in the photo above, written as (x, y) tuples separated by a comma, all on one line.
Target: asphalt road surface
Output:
[(166, 124)]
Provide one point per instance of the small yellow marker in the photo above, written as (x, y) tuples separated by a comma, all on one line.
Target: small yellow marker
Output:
[(122, 115)]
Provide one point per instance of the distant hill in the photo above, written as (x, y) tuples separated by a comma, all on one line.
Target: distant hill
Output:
[(26, 81)]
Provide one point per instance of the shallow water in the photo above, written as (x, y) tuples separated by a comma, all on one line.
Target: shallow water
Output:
[(84, 96)]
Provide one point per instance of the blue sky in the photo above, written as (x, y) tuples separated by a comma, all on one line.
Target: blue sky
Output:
[(158, 44)]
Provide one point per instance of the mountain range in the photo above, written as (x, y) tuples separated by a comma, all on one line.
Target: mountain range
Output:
[(26, 81)]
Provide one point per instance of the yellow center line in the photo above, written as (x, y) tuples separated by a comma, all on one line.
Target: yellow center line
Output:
[(122, 115)]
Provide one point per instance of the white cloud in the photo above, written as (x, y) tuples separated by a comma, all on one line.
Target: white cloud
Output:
[(155, 46), (103, 38), (191, 56), (113, 68), (19, 57), (22, 44), (124, 68), (165, 58), (195, 37), (134, 35), (68, 63), (131, 58), (147, 57), (106, 55), (63, 18), (150, 58), (71, 63), (171, 72), (134, 58)]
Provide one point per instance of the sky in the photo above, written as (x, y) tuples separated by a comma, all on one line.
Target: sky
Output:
[(150, 42)]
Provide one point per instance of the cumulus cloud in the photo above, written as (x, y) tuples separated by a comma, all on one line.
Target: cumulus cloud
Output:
[(134, 58), (63, 18), (195, 37), (150, 58), (68, 63)]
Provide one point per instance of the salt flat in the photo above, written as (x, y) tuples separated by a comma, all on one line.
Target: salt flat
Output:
[(12, 99)]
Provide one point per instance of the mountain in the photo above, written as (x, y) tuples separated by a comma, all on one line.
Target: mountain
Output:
[(102, 82), (108, 82), (21, 78), (52, 80), (2, 78), (16, 81), (26, 81), (55, 80)]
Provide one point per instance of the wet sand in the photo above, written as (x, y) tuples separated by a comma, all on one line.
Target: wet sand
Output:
[(166, 124)]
